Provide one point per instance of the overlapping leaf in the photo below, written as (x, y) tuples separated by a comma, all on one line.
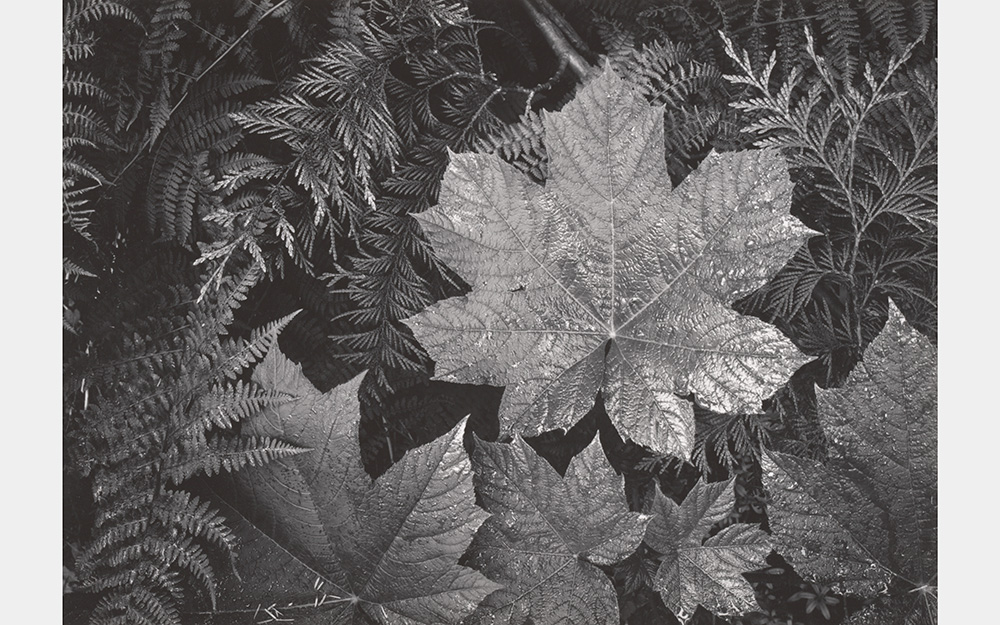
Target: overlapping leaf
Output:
[(547, 533), (696, 571), (607, 280), (870, 513), (389, 549)]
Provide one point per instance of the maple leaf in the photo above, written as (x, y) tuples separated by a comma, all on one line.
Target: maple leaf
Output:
[(388, 549), (607, 280), (547, 533), (696, 571), (870, 513)]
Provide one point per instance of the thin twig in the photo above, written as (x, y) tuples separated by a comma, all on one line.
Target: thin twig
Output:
[(564, 26), (563, 49)]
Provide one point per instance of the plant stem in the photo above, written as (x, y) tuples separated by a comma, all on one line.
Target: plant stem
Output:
[(556, 38)]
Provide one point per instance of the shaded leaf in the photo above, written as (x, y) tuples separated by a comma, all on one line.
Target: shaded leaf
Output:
[(694, 570), (548, 534), (266, 572), (870, 513), (607, 280), (387, 549)]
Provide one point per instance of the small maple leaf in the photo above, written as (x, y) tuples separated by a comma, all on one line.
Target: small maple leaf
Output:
[(607, 280), (547, 533), (386, 550), (694, 570), (870, 513)]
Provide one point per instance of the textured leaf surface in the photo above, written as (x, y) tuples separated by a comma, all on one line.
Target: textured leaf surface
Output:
[(871, 511), (607, 280), (547, 533), (267, 572), (709, 573), (388, 548)]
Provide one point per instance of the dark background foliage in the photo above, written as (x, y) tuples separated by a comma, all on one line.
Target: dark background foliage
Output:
[(228, 163)]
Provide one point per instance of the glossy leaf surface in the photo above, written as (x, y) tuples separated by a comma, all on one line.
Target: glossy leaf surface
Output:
[(547, 533), (870, 513), (696, 569), (607, 279)]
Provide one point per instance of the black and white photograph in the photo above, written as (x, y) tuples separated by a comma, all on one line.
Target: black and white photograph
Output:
[(519, 312)]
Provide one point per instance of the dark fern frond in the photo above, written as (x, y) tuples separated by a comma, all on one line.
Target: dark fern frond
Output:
[(694, 96), (839, 23), (188, 125), (166, 29), (521, 144), (689, 133), (889, 17), (334, 119), (792, 287), (187, 556), (81, 19), (661, 465), (82, 122), (667, 74), (726, 440)]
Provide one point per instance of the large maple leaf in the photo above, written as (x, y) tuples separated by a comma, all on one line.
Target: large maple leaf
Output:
[(388, 549), (607, 280), (869, 514), (698, 569), (547, 533)]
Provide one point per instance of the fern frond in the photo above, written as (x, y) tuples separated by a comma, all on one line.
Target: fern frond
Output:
[(79, 84), (165, 28), (159, 414), (138, 572), (433, 112), (124, 530), (174, 195), (139, 606), (660, 465), (667, 74), (867, 151), (229, 404), (80, 12), (223, 87), (234, 356), (520, 144), (75, 215), (212, 456), (187, 556), (922, 14), (232, 293), (889, 19), (184, 511), (688, 134), (726, 439), (83, 122), (839, 22), (792, 287)]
